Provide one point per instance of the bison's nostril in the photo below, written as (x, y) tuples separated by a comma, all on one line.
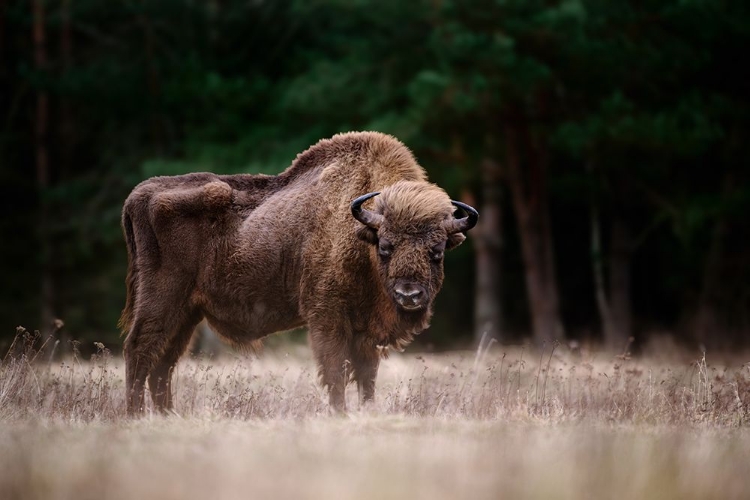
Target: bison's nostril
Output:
[(410, 296)]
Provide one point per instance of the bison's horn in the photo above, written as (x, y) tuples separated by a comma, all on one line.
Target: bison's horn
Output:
[(464, 224), (366, 217)]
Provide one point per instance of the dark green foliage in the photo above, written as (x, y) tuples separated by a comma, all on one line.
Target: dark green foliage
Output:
[(641, 108)]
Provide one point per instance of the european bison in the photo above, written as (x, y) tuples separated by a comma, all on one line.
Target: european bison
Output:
[(256, 254)]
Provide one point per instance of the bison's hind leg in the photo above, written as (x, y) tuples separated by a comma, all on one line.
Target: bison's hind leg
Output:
[(152, 347), (143, 346), (160, 378)]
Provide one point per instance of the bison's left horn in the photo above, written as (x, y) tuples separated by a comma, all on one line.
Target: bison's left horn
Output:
[(464, 224), (366, 217)]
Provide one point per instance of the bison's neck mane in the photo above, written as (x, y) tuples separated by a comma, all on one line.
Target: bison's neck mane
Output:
[(365, 150)]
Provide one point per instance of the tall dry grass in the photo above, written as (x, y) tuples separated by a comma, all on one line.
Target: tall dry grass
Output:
[(511, 384), (495, 423)]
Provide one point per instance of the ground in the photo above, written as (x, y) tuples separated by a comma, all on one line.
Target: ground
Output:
[(487, 424)]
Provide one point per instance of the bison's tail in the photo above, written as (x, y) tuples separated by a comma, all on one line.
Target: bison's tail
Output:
[(126, 318)]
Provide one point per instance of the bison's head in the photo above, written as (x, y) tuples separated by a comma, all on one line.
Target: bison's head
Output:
[(411, 226)]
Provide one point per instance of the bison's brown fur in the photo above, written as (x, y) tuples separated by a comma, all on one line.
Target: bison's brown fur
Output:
[(256, 254)]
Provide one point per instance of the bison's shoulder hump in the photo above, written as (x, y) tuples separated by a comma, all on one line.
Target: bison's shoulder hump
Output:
[(363, 150)]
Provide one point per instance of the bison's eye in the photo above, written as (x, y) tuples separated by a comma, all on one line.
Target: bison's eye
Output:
[(436, 252), (385, 248)]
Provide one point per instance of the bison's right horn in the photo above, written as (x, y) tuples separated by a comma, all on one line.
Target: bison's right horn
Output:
[(366, 217), (464, 224)]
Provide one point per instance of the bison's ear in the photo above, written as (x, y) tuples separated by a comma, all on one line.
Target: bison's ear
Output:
[(454, 240), (368, 234)]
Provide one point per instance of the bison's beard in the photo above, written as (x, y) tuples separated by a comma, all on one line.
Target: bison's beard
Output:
[(414, 321)]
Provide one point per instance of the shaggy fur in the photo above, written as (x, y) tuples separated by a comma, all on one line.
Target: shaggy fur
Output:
[(257, 254)]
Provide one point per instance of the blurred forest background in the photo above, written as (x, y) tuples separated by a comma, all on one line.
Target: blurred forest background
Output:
[(605, 145)]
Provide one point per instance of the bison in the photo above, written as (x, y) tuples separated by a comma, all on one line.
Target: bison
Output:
[(257, 254)]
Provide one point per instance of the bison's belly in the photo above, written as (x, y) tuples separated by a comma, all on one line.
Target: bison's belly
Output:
[(253, 322)]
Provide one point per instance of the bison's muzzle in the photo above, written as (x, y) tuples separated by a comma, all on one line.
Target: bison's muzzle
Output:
[(410, 296)]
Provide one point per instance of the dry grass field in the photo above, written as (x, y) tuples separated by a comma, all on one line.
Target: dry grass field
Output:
[(495, 423)]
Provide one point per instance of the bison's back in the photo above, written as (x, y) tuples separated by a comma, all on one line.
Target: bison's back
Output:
[(174, 226)]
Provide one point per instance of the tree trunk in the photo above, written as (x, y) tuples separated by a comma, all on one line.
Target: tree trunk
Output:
[(538, 161), (41, 123), (3, 17), (613, 301), (154, 85), (614, 307), (707, 329), (65, 134), (597, 268), (619, 285), (5, 100), (528, 195), (66, 115), (488, 244)]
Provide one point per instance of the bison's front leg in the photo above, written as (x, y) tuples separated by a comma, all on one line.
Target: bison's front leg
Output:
[(334, 365), (365, 361)]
